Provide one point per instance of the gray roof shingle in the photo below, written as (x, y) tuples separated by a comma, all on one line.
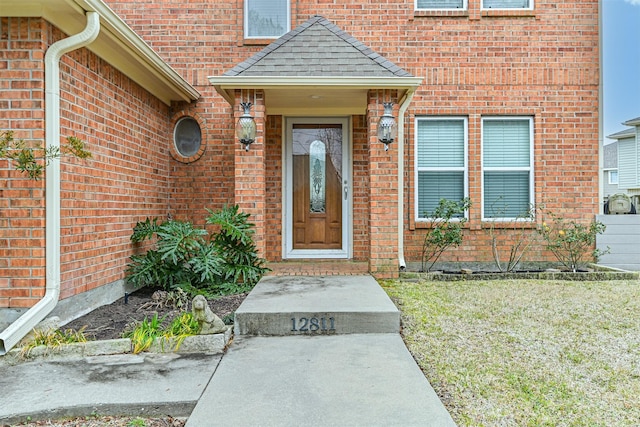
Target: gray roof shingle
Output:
[(317, 48)]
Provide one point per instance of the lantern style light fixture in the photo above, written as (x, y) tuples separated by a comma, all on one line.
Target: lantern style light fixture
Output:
[(387, 126), (246, 127)]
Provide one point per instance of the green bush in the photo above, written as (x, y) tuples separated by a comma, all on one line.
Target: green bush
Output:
[(188, 258), (444, 230), (572, 243)]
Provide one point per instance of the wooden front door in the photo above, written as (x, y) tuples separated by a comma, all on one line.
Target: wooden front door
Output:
[(319, 187)]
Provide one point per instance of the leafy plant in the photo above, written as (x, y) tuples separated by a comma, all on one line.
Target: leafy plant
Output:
[(137, 422), (444, 231), (143, 334), (181, 327), (52, 338), (188, 258), (34, 160), (517, 234), (571, 242)]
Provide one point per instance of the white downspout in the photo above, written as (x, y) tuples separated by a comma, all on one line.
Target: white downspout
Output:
[(403, 108), (18, 329)]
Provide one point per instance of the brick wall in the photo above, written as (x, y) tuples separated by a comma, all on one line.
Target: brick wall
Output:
[(127, 131), (22, 47), (541, 63)]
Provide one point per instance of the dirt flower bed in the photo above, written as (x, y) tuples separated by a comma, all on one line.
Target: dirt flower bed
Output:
[(109, 321)]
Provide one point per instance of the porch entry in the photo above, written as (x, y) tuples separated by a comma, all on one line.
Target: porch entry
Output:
[(318, 176)]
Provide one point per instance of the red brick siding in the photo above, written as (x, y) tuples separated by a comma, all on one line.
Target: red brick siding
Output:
[(273, 184), (22, 47), (541, 63), (360, 189), (127, 131)]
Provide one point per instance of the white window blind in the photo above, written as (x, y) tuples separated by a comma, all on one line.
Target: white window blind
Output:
[(266, 18), (507, 162), (506, 4), (439, 4), (441, 163)]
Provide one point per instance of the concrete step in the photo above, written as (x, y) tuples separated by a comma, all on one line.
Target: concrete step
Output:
[(317, 305)]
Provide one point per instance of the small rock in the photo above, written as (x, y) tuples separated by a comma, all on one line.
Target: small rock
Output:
[(466, 271)]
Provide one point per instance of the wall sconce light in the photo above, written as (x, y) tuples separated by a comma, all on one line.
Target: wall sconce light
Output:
[(387, 126), (246, 127)]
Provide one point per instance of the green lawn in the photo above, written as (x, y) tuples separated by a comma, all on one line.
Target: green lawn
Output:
[(527, 352)]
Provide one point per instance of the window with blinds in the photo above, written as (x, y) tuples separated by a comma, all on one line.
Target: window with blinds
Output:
[(441, 162), (266, 18), (507, 4), (507, 159), (440, 4)]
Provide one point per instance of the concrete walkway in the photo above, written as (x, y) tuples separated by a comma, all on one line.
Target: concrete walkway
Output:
[(318, 351), (312, 351)]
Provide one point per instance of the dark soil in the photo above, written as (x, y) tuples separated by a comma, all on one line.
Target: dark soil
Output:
[(110, 321)]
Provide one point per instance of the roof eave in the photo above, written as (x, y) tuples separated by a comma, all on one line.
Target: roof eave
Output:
[(117, 44), (225, 85)]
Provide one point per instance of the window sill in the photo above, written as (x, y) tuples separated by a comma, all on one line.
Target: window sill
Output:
[(422, 224), (507, 13), (517, 224), (453, 13)]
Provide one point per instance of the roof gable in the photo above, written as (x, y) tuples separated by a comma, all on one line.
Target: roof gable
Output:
[(317, 48)]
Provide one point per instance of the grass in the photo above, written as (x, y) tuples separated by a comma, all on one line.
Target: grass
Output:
[(527, 353), (53, 339)]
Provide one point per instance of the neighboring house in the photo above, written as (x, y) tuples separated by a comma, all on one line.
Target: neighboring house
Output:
[(610, 169), (496, 100), (628, 159)]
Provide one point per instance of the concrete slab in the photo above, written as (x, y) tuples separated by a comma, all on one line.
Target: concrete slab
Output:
[(317, 305), (143, 384), (341, 380)]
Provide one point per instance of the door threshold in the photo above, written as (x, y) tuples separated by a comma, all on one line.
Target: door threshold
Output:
[(318, 267)]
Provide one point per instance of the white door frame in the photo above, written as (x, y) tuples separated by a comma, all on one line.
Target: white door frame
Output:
[(347, 205)]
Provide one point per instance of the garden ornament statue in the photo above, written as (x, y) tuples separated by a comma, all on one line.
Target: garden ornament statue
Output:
[(208, 321)]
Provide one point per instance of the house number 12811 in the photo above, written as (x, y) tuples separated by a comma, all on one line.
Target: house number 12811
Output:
[(312, 324)]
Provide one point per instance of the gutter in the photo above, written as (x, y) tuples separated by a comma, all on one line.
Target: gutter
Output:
[(25, 323), (402, 265)]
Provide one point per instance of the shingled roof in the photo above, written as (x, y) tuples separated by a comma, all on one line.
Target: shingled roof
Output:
[(317, 48)]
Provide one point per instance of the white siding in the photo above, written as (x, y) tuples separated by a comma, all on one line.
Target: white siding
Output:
[(628, 164), (621, 237)]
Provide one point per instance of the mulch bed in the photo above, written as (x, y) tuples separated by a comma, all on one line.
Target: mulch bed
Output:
[(109, 321)]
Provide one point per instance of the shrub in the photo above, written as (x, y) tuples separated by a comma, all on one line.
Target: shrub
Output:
[(189, 258), (517, 235), (445, 230), (33, 160), (571, 242)]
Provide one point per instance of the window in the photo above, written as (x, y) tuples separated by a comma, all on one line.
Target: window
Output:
[(441, 4), (613, 177), (507, 159), (441, 162), (507, 4), (187, 139), (265, 19)]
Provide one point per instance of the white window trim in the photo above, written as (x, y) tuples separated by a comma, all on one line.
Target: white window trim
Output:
[(610, 174), (245, 15), (464, 168), (464, 7), (515, 169), (531, 7)]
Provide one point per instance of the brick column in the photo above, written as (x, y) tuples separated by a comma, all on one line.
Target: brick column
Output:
[(250, 190), (383, 192)]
